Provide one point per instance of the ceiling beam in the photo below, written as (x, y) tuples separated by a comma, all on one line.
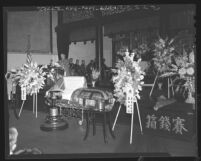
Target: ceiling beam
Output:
[(137, 14), (23, 8)]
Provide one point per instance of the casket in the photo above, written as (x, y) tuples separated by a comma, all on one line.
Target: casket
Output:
[(67, 85), (97, 99)]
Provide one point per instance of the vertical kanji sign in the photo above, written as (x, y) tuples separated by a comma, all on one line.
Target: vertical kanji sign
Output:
[(129, 100)]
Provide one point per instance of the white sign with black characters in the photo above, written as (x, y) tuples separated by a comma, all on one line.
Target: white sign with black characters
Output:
[(129, 100)]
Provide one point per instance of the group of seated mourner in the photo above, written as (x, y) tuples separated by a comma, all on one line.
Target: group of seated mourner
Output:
[(68, 68)]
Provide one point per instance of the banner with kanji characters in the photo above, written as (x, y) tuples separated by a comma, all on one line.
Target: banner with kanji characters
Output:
[(169, 123)]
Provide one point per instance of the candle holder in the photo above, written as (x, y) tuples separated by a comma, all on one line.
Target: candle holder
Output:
[(54, 120)]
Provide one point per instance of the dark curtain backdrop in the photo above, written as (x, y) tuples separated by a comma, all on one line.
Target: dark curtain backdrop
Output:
[(63, 43)]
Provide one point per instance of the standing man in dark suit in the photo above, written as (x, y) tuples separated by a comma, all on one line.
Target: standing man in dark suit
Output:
[(65, 64), (83, 68), (77, 67)]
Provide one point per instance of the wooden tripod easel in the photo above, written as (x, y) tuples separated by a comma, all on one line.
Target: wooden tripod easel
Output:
[(132, 119), (170, 84)]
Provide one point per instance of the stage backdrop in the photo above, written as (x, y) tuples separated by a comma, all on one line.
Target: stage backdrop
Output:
[(33, 23)]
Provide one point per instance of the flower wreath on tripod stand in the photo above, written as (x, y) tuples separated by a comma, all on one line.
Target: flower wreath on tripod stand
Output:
[(128, 73), (163, 53), (184, 69), (32, 77)]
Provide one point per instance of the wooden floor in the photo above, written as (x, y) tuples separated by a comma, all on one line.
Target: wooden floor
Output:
[(70, 141)]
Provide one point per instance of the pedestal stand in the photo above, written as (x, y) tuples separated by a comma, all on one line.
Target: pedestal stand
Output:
[(54, 120)]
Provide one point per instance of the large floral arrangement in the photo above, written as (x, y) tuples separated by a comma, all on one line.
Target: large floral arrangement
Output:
[(184, 70), (32, 77), (128, 73), (163, 52), (51, 71), (141, 49)]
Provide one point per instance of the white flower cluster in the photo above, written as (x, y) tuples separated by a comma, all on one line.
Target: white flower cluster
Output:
[(128, 73), (163, 53), (184, 68), (31, 77)]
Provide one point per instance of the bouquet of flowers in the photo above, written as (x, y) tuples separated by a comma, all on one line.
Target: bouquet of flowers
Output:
[(184, 68), (163, 53), (13, 76), (142, 49), (128, 73), (31, 77), (51, 72)]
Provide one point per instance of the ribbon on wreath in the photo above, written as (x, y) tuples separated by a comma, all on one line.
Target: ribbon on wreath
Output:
[(23, 93), (130, 106), (129, 100), (13, 88), (23, 98)]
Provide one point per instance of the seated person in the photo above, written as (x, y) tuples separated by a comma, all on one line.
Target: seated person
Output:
[(13, 136), (104, 70), (89, 67)]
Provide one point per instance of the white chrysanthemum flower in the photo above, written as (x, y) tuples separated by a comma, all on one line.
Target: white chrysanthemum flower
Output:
[(182, 71), (190, 71)]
